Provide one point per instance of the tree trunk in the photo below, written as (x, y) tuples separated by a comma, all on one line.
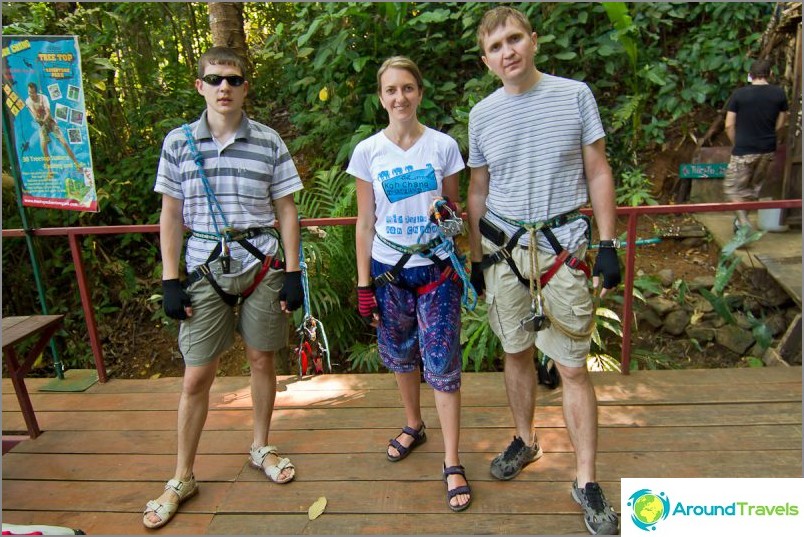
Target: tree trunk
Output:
[(778, 43), (226, 25)]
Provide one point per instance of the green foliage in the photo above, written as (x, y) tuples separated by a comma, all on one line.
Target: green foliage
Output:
[(752, 361), (480, 346), (649, 283), (330, 257), (602, 362), (727, 264), (364, 358), (761, 332), (682, 289), (606, 320), (339, 46), (609, 325), (651, 360), (634, 189), (719, 304)]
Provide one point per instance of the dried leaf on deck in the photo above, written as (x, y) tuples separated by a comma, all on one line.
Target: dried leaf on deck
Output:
[(317, 508)]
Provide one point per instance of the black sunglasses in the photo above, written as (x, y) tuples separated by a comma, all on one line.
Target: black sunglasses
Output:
[(216, 80)]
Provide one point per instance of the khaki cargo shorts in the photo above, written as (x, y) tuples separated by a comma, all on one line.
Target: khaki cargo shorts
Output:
[(566, 297), (259, 319), (745, 176)]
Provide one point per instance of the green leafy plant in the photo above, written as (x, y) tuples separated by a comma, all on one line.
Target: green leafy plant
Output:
[(364, 358), (480, 346), (606, 320), (652, 360), (682, 289), (634, 189), (728, 262)]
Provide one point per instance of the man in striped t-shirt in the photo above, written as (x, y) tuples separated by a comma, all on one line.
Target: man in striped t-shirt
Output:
[(226, 178), (537, 154)]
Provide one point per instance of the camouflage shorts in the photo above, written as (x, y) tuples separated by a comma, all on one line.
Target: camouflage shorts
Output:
[(745, 176)]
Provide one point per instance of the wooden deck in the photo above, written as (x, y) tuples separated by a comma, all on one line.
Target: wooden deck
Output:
[(106, 451)]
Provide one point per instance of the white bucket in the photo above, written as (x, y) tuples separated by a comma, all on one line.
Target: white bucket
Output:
[(770, 219)]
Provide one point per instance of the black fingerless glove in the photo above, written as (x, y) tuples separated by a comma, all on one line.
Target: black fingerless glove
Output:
[(292, 292), (608, 265), (174, 299), (477, 279)]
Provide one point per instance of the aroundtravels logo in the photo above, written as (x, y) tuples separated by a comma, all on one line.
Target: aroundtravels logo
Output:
[(648, 508), (674, 506)]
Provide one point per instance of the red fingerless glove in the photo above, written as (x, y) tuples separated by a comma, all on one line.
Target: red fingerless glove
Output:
[(366, 303)]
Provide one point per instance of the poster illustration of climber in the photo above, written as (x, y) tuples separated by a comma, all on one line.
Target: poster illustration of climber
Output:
[(43, 97)]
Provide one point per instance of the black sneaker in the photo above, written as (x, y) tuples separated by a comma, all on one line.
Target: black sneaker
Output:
[(598, 514), (508, 464)]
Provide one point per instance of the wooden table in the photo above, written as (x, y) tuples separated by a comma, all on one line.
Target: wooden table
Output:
[(15, 331)]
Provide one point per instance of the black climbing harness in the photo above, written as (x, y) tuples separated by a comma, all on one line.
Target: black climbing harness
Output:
[(452, 269), (498, 238), (539, 317)]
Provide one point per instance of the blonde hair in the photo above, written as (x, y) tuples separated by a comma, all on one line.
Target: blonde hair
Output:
[(494, 18), (400, 62)]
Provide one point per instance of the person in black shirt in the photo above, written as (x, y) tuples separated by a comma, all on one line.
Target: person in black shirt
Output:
[(754, 114)]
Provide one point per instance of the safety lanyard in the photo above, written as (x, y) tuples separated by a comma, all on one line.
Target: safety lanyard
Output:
[(310, 328), (212, 200), (448, 228)]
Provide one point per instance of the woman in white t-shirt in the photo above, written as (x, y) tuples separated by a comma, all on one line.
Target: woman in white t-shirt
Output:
[(400, 172)]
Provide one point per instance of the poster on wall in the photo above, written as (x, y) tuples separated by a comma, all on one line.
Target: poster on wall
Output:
[(43, 96)]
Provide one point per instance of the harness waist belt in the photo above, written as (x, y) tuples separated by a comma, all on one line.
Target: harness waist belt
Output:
[(424, 250), (202, 270), (497, 236), (235, 235), (232, 300)]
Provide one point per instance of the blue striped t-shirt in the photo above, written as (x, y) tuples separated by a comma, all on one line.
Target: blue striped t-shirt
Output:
[(532, 144)]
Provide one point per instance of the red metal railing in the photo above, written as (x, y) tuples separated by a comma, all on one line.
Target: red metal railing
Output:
[(633, 213)]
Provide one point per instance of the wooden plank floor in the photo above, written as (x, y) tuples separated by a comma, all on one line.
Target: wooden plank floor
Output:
[(108, 450)]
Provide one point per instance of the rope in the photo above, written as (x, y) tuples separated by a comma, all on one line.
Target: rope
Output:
[(536, 297), (310, 326), (305, 283), (199, 161)]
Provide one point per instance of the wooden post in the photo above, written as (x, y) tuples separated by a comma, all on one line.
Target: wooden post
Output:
[(791, 180)]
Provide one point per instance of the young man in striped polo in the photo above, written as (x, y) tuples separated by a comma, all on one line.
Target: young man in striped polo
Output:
[(537, 154), (227, 178)]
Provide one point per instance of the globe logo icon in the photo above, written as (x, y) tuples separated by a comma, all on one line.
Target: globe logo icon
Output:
[(648, 508)]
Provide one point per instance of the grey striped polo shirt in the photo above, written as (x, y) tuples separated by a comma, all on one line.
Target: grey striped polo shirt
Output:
[(532, 144), (245, 173)]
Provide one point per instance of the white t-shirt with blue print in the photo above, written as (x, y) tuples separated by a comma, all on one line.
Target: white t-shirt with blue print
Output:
[(405, 182)]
